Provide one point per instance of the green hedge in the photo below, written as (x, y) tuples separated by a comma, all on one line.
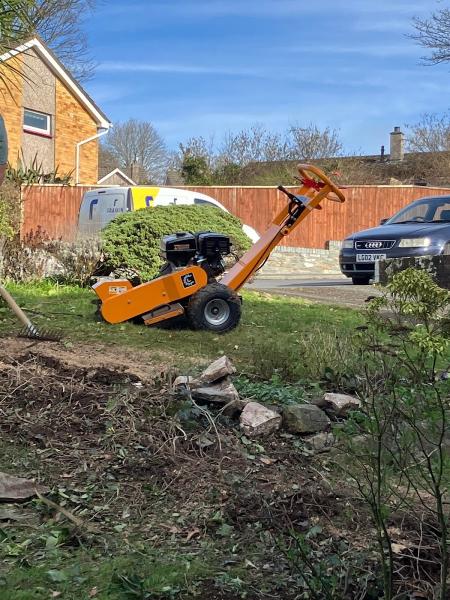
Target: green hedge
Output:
[(133, 239)]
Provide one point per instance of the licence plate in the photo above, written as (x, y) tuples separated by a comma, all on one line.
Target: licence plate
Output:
[(368, 258)]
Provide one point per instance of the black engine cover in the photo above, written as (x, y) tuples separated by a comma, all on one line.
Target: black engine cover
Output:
[(179, 248), (211, 244)]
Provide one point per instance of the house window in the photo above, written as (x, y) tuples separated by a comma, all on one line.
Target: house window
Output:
[(36, 122)]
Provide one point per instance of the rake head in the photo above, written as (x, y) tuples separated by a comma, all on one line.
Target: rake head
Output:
[(42, 335)]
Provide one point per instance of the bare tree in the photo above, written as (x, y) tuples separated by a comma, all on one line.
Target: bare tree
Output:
[(60, 24), (430, 134), (312, 143), (255, 144), (196, 148), (433, 34), (107, 161), (138, 144), (14, 22)]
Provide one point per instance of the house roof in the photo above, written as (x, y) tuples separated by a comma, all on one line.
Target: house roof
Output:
[(58, 69), (116, 172)]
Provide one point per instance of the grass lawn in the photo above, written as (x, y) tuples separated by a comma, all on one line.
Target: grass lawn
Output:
[(273, 332)]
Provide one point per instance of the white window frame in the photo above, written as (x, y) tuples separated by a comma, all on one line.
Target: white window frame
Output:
[(30, 129)]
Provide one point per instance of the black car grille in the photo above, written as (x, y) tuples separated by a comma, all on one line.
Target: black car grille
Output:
[(375, 244)]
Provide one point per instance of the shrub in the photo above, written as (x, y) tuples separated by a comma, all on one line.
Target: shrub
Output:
[(78, 260), (36, 257), (10, 215), (398, 464), (133, 240)]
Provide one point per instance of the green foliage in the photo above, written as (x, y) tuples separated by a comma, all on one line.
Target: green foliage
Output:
[(409, 323), (34, 173), (133, 239), (6, 226), (325, 568), (15, 23), (10, 211), (395, 450), (196, 171), (275, 391), (319, 354)]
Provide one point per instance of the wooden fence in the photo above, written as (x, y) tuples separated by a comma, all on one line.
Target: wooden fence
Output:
[(54, 209)]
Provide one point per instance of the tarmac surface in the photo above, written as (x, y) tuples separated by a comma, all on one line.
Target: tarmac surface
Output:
[(339, 291)]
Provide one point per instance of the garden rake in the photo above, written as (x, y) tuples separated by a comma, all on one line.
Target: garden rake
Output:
[(29, 330)]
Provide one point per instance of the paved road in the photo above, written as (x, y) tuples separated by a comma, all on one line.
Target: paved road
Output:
[(264, 284), (330, 291)]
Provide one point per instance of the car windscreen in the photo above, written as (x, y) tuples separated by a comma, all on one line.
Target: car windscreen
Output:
[(428, 210)]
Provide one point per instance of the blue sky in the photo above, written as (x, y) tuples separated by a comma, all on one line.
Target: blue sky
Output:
[(202, 67)]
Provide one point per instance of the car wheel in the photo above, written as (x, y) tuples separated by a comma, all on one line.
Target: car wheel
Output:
[(361, 280)]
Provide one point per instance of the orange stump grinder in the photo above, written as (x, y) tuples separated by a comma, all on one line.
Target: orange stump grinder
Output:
[(189, 284)]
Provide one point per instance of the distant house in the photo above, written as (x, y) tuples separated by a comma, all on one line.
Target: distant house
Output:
[(116, 177), (49, 117)]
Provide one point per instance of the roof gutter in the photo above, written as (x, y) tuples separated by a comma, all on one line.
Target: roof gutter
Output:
[(79, 144)]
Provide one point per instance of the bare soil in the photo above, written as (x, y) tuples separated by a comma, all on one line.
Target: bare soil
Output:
[(131, 461)]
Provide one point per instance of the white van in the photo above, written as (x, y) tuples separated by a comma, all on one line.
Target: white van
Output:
[(100, 206)]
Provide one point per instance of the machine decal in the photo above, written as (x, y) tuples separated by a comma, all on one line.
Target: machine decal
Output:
[(188, 280), (117, 289)]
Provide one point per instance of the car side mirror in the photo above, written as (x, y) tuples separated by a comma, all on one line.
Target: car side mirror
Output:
[(383, 221)]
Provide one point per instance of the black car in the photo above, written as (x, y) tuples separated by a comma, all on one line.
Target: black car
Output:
[(422, 228)]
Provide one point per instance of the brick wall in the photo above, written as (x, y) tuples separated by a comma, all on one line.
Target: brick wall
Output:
[(74, 124), (11, 92)]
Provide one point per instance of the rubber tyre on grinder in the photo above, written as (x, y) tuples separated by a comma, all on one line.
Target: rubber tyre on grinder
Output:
[(215, 307)]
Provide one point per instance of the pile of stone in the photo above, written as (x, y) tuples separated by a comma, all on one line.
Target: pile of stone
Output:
[(256, 420)]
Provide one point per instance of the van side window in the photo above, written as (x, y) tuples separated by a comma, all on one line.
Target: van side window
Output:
[(200, 201)]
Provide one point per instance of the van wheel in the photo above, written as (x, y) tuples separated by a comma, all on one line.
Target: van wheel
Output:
[(361, 280), (215, 307)]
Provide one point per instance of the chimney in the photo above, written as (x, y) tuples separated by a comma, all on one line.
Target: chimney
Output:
[(397, 145), (135, 172)]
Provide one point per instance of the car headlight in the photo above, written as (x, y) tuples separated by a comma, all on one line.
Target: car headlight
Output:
[(347, 244), (414, 243)]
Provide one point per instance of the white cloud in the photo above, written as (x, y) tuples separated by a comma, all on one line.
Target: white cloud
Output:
[(403, 48), (180, 69)]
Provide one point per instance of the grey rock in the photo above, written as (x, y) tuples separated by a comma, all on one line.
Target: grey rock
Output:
[(220, 368), (184, 381), (17, 489), (320, 442), (223, 392), (338, 404), (258, 420), (235, 407), (304, 418)]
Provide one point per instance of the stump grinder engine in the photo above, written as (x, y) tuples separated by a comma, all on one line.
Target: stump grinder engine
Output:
[(193, 282)]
